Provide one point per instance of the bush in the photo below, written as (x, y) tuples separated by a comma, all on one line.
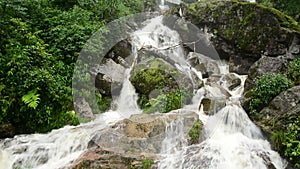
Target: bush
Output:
[(166, 102), (195, 132), (294, 71), (287, 142), (289, 7), (267, 87), (40, 41), (146, 164)]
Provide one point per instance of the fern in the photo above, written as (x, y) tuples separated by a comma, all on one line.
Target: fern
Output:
[(31, 98)]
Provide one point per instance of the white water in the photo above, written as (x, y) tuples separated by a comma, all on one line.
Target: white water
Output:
[(229, 139)]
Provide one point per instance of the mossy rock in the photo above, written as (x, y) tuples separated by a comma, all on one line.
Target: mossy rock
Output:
[(155, 77), (243, 31)]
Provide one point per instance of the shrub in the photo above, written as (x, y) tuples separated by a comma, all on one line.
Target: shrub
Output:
[(166, 102), (294, 71), (267, 87), (289, 7), (195, 132), (287, 142), (146, 164)]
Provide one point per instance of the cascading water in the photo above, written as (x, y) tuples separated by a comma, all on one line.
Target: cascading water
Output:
[(229, 139), (60, 147)]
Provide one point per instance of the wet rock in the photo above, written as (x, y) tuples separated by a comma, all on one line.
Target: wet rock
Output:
[(141, 133), (155, 76), (204, 64), (281, 111), (265, 65), (227, 82), (130, 143), (212, 106), (83, 108), (105, 158), (109, 77), (7, 130), (279, 116), (242, 31)]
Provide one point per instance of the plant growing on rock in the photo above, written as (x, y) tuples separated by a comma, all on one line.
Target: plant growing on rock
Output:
[(294, 71), (267, 87), (166, 102), (147, 163), (287, 142), (195, 132)]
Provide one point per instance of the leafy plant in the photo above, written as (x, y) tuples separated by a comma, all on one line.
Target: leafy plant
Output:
[(166, 102), (294, 71), (31, 99), (102, 102), (292, 142), (40, 41), (147, 163), (195, 132), (289, 7), (267, 87)]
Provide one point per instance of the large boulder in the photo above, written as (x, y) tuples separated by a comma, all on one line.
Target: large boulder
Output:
[(104, 158), (133, 142), (242, 31), (281, 111), (265, 65), (142, 133)]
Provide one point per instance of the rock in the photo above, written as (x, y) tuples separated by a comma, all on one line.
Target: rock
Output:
[(105, 158), (133, 142), (122, 49), (142, 133), (7, 130), (226, 82), (155, 76), (265, 65), (212, 106), (279, 116), (83, 108), (242, 31), (282, 109), (204, 64)]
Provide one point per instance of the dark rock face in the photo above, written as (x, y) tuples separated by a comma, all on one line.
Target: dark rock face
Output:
[(243, 31), (281, 110), (6, 130)]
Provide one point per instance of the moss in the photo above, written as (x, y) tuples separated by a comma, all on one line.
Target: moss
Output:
[(154, 79), (250, 27)]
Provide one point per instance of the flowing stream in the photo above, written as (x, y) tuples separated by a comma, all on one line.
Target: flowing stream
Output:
[(229, 139)]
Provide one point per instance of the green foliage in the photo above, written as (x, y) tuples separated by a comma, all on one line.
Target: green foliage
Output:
[(40, 41), (267, 87), (289, 7), (166, 102), (292, 143), (102, 102), (294, 71), (195, 132), (287, 142), (147, 163), (158, 90), (31, 98)]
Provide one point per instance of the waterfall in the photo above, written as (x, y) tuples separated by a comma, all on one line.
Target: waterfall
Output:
[(229, 140), (60, 147), (127, 101)]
